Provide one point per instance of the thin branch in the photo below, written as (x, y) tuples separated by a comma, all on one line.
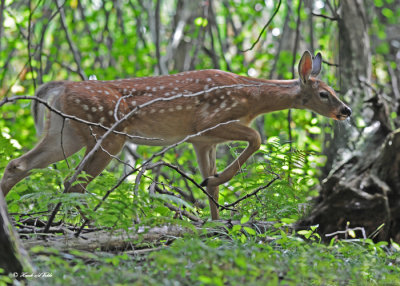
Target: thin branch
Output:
[(66, 116), (289, 118), (255, 192), (265, 27), (325, 16), (74, 50), (183, 174), (182, 212), (157, 39), (330, 64), (346, 232), (2, 5)]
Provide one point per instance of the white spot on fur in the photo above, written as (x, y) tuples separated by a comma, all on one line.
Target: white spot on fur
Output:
[(110, 112), (77, 101), (133, 102), (162, 110), (85, 107), (94, 109), (152, 110), (179, 107), (101, 108)]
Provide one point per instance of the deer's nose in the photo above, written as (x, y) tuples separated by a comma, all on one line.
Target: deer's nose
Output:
[(346, 110)]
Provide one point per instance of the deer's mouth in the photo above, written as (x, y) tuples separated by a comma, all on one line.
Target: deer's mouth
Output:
[(340, 117), (343, 114)]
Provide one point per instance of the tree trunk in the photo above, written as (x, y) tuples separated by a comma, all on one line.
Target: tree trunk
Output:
[(13, 257), (354, 64), (363, 191)]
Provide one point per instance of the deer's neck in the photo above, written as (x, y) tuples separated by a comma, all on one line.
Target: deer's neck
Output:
[(272, 95)]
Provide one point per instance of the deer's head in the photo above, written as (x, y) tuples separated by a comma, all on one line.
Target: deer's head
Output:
[(315, 94)]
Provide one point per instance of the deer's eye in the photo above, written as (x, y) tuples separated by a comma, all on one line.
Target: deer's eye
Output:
[(324, 95)]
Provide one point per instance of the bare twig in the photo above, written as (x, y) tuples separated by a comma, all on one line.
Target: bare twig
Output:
[(289, 118), (2, 5), (255, 192), (182, 212), (74, 50), (330, 64), (66, 116), (183, 174), (346, 232), (161, 70), (265, 27), (325, 16)]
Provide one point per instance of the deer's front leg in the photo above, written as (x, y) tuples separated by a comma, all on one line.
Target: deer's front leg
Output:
[(111, 145), (206, 157), (233, 132)]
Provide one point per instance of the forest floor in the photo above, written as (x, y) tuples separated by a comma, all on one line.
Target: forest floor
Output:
[(210, 253)]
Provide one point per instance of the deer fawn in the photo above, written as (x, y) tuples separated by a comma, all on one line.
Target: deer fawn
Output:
[(167, 109)]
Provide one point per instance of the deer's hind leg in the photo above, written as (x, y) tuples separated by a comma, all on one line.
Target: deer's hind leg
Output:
[(206, 158)]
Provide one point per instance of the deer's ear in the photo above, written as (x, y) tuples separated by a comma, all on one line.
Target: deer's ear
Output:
[(316, 65), (305, 67)]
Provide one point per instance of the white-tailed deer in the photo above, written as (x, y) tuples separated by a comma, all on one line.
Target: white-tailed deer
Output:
[(168, 109)]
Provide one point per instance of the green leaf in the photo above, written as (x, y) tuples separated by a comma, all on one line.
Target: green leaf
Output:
[(244, 219), (249, 230), (236, 228), (388, 13)]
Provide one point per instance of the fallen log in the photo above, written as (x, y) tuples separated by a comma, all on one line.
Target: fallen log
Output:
[(107, 240)]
